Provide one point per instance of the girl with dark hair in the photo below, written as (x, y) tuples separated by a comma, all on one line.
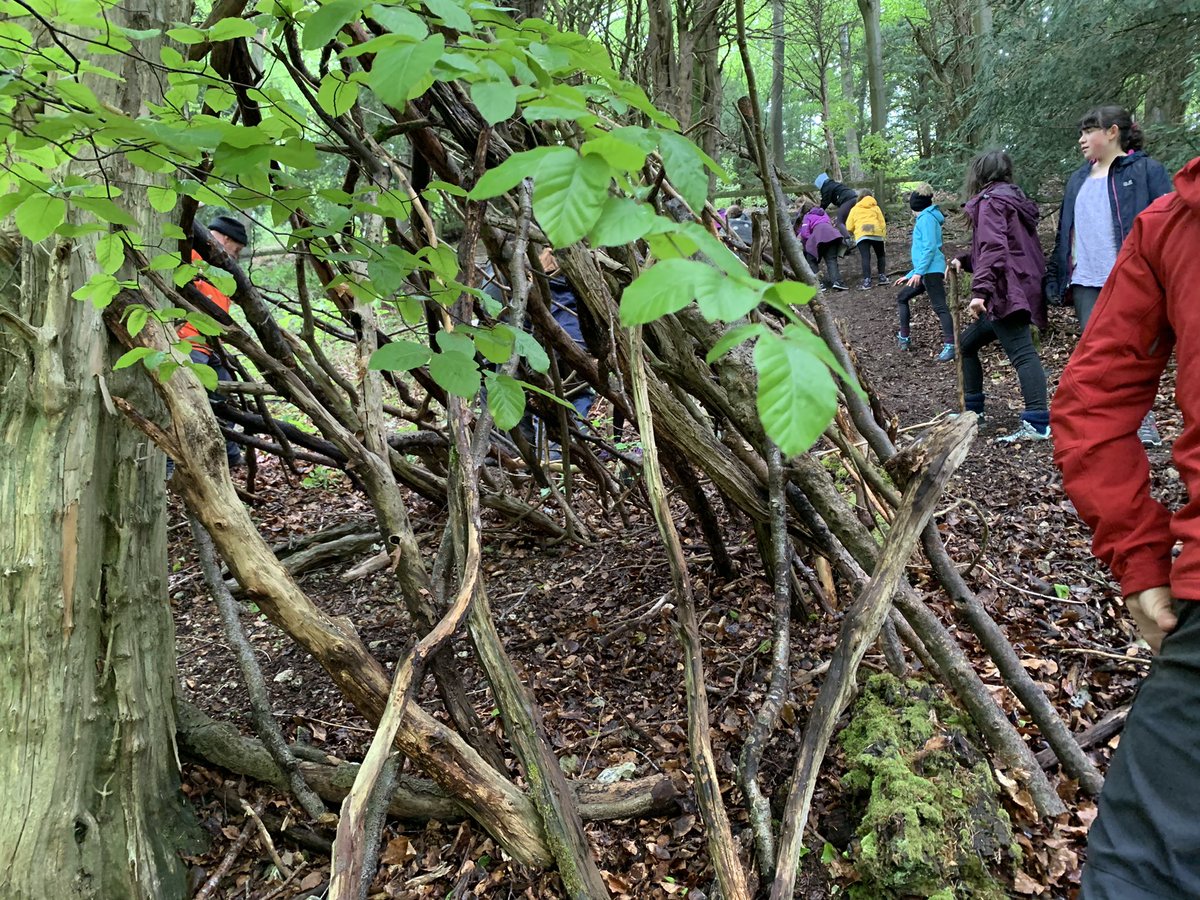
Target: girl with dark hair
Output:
[(1006, 289), (1104, 195), (928, 264)]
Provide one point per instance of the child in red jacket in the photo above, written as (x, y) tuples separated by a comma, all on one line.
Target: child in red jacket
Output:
[(1143, 843)]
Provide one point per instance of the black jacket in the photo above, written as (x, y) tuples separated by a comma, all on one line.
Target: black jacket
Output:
[(1134, 182), (834, 193)]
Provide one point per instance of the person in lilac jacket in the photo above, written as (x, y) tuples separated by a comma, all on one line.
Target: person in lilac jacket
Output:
[(1007, 266), (822, 241)]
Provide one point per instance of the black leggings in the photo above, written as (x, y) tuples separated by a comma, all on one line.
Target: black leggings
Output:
[(1014, 336), (830, 251), (935, 284), (864, 256)]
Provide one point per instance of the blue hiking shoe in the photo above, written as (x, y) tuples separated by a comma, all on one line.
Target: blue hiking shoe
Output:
[(947, 353), (904, 343)]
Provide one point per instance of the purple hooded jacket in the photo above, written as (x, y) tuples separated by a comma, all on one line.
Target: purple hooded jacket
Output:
[(817, 229), (1006, 257)]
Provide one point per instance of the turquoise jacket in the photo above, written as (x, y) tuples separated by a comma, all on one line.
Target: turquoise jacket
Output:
[(927, 243)]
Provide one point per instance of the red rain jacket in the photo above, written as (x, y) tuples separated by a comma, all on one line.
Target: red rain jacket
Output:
[(1148, 306)]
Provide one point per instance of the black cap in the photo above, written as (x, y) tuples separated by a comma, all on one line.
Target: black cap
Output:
[(231, 228)]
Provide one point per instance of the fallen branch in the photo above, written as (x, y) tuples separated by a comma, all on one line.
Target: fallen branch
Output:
[(945, 449), (1112, 724)]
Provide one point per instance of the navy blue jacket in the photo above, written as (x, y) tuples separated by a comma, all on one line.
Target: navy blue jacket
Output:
[(1134, 182)]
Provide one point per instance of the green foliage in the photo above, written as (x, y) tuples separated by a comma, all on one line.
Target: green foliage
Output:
[(590, 184)]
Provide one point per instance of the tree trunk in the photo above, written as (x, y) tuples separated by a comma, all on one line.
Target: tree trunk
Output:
[(835, 164), (776, 98), (874, 61), (853, 158), (91, 806)]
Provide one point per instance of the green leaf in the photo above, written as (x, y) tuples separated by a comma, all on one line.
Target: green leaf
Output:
[(533, 352), (110, 253), (569, 191), (400, 21), (509, 173), (733, 338), (128, 359), (1062, 591), (727, 299), (797, 396), (496, 344), (456, 372), (456, 342), (204, 323), (506, 400), (337, 95), (397, 70), (685, 167), (620, 154), (99, 290), (621, 220), (230, 28), (496, 100), (105, 210), (206, 373), (399, 356), (327, 21), (790, 293), (664, 288), (39, 215), (163, 199), (451, 13), (138, 316)]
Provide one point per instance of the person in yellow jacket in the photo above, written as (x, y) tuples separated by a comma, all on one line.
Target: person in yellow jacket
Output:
[(867, 225)]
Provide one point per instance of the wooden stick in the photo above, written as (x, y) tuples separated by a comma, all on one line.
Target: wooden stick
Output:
[(945, 449)]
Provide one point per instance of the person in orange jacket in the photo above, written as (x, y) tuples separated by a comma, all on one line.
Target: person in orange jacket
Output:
[(1143, 843), (230, 235)]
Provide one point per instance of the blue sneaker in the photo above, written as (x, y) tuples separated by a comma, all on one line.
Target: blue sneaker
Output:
[(947, 353), (905, 343)]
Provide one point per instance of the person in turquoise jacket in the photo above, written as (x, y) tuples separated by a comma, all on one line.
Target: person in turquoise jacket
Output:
[(927, 274)]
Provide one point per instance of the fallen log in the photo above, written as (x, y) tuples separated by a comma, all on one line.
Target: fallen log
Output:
[(413, 799)]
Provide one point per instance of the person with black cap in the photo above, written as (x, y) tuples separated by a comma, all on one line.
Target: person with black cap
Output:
[(839, 196), (927, 272), (230, 235)]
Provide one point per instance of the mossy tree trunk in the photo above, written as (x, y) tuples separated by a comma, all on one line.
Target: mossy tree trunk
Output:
[(90, 805)]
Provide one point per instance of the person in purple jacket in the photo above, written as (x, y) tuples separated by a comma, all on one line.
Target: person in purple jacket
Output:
[(822, 241), (1007, 266)]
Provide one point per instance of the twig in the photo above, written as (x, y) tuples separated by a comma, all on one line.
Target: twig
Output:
[(266, 836), (206, 890), (1083, 651), (1008, 584), (278, 889), (731, 876)]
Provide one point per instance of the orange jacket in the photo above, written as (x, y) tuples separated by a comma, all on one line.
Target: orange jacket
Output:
[(1147, 306), (187, 331)]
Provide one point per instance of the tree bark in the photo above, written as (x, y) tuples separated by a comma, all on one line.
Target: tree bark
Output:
[(776, 99), (846, 65), (91, 806)]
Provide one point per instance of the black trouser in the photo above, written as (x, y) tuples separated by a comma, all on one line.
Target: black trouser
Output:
[(1015, 337), (1085, 301), (864, 255), (830, 251), (839, 217), (1145, 844), (233, 450), (935, 284)]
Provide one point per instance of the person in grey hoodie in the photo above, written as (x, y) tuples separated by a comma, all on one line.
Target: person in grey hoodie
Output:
[(1007, 268)]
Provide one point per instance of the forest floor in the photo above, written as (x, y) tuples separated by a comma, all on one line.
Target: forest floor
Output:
[(621, 701)]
